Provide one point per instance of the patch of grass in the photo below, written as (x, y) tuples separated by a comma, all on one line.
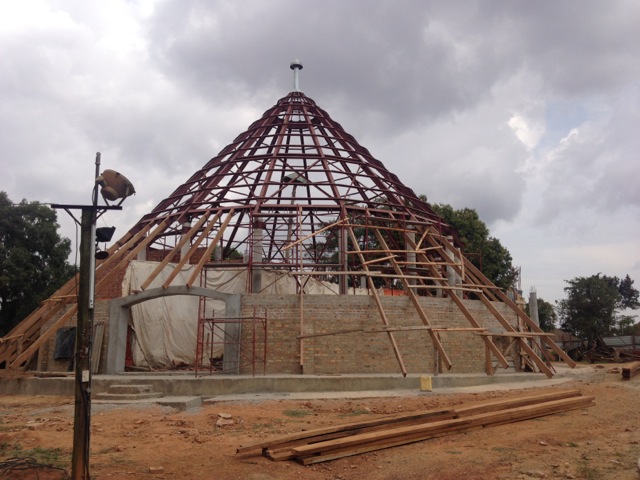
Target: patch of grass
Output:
[(10, 448), (48, 456), (120, 461), (354, 413), (572, 444), (297, 413), (45, 456), (588, 472), (262, 426), (5, 446), (454, 452), (503, 449)]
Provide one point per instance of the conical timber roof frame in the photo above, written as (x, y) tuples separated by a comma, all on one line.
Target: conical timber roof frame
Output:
[(293, 162), (295, 192)]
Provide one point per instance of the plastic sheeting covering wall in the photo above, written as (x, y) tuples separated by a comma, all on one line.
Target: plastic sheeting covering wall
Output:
[(166, 328)]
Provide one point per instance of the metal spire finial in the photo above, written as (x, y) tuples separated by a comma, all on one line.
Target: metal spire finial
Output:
[(296, 66)]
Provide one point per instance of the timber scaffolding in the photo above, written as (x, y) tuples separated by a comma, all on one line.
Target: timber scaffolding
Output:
[(297, 194), (432, 260), (428, 273)]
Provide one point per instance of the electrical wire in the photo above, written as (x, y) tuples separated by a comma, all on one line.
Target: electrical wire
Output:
[(16, 464)]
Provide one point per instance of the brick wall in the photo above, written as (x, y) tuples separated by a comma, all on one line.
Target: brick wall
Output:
[(360, 352), (355, 352)]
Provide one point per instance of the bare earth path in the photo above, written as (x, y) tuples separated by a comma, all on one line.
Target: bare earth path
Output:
[(150, 442)]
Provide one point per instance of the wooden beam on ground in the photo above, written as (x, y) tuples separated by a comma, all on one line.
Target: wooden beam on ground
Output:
[(355, 444), (329, 443), (311, 436), (631, 370)]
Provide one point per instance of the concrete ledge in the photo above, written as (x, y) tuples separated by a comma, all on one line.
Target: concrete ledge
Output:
[(186, 385), (180, 403)]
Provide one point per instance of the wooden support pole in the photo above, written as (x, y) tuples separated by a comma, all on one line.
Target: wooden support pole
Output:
[(416, 303), (165, 261), (192, 250), (383, 315), (207, 252)]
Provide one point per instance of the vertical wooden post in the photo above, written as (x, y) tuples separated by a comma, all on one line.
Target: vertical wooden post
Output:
[(82, 416)]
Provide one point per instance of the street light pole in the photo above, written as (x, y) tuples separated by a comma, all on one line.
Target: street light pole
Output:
[(84, 337), (82, 417), (114, 187)]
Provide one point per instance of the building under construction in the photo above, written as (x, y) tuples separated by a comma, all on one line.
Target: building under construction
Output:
[(292, 251)]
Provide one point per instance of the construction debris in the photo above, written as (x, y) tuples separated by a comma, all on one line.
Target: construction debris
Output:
[(630, 370), (330, 443)]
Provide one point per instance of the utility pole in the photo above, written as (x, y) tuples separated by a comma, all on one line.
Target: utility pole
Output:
[(114, 187), (82, 417)]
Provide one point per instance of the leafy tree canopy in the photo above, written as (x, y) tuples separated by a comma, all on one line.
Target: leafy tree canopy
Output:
[(593, 305), (483, 250), (33, 258)]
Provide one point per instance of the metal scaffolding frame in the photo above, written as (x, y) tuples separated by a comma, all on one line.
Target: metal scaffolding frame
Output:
[(213, 334)]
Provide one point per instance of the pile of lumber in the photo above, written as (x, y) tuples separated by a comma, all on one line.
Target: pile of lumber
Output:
[(330, 443), (630, 370)]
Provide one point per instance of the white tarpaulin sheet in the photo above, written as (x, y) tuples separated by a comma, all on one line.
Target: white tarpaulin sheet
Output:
[(166, 328)]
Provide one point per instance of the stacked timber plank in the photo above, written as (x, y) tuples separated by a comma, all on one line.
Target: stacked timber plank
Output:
[(630, 370), (330, 443)]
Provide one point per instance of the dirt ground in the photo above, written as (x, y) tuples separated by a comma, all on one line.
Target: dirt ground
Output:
[(152, 442)]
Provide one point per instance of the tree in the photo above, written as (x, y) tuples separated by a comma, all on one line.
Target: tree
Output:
[(592, 306), (33, 258), (483, 250), (546, 315)]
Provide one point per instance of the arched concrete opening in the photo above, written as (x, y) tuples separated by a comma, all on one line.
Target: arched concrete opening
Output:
[(119, 314)]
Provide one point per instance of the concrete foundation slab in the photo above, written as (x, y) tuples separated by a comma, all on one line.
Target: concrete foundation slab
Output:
[(186, 385), (180, 403)]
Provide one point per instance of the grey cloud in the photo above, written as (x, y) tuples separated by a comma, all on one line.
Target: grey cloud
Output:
[(392, 66)]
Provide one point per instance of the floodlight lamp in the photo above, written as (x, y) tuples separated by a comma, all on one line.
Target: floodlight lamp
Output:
[(102, 255), (114, 185), (104, 234)]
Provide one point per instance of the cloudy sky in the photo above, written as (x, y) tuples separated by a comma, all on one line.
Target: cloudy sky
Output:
[(528, 112)]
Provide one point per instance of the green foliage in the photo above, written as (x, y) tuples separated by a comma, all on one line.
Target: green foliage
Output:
[(33, 258), (546, 315), (592, 306), (48, 456), (483, 250), (297, 413), (627, 325), (326, 250)]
